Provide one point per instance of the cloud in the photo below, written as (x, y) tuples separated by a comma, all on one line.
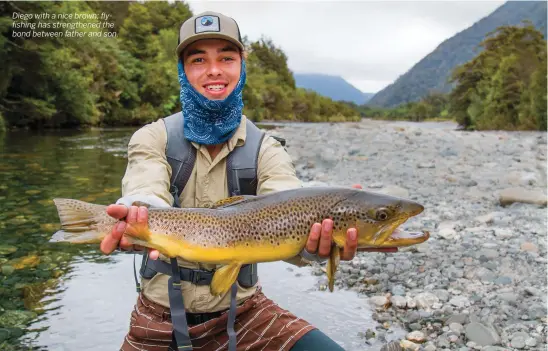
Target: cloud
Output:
[(369, 43)]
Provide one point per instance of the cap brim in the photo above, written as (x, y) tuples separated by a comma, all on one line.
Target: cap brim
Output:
[(201, 36)]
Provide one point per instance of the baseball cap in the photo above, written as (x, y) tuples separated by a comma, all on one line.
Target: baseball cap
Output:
[(209, 25)]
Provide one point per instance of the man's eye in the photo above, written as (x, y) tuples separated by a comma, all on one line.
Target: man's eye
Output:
[(198, 60), (228, 58)]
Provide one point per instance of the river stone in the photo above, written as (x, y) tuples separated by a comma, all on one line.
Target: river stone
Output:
[(518, 340), (426, 300), (481, 335), (398, 301), (531, 342), (460, 301), (16, 319), (7, 249), (409, 345), (416, 337), (447, 233), (456, 328), (378, 301), (511, 195), (4, 334)]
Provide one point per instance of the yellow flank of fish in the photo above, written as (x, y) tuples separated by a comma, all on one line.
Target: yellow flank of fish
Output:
[(246, 229)]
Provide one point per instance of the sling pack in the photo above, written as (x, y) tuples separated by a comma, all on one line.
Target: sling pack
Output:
[(241, 180)]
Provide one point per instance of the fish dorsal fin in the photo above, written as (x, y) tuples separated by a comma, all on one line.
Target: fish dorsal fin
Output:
[(230, 201)]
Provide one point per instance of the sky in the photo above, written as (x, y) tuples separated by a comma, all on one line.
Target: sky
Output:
[(368, 43)]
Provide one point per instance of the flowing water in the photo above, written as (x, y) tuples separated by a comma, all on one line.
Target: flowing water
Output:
[(63, 297)]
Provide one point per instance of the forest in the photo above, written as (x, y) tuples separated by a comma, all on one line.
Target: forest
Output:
[(127, 74)]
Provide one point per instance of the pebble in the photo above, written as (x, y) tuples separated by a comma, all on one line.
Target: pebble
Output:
[(425, 300), (398, 301), (481, 335), (518, 340), (409, 345), (457, 328), (460, 301), (416, 337), (378, 301)]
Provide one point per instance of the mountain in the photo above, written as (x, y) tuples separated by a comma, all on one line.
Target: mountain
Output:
[(431, 73), (334, 87)]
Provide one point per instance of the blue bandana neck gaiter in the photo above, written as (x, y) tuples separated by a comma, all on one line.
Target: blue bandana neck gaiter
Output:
[(210, 121)]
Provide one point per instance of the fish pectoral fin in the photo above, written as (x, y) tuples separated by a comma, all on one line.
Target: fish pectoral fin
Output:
[(332, 265), (229, 201), (223, 278)]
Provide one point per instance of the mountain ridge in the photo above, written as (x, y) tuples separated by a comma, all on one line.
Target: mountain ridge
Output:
[(332, 86), (430, 74)]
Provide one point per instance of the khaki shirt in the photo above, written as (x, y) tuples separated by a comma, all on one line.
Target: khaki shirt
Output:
[(149, 173)]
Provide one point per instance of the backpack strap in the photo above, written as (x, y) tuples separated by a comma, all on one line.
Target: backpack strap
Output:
[(180, 155), (242, 163)]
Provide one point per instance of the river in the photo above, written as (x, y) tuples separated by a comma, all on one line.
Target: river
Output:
[(62, 297)]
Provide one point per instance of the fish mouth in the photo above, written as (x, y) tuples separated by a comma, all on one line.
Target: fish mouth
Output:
[(398, 234), (391, 235)]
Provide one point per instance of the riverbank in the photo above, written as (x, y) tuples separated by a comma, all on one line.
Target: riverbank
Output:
[(480, 281)]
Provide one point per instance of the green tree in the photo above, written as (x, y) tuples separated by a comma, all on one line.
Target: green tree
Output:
[(504, 86)]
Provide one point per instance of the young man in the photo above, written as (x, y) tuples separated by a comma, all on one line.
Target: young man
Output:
[(212, 76)]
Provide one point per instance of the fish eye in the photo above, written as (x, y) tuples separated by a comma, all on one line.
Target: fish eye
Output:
[(382, 214)]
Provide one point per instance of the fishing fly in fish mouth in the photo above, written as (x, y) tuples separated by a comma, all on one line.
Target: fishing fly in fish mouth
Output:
[(251, 229)]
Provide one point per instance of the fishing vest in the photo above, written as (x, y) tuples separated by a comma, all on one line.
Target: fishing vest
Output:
[(242, 179)]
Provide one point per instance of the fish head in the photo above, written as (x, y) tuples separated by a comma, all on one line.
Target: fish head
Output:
[(377, 218)]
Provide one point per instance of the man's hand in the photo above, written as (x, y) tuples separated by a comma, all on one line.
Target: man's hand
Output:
[(321, 237), (133, 215)]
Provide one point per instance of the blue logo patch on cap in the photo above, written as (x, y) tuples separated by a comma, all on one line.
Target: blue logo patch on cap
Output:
[(207, 24)]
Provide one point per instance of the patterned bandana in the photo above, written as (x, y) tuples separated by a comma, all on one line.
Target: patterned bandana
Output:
[(210, 121)]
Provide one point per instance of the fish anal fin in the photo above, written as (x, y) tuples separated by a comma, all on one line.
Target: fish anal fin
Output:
[(332, 265), (224, 277), (233, 200)]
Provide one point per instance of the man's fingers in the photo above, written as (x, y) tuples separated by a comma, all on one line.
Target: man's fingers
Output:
[(132, 214), (111, 240), (350, 245), (125, 244), (142, 215), (154, 254), (314, 238), (325, 238), (117, 211), (357, 186)]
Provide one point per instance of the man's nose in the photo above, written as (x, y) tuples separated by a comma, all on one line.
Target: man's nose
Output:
[(214, 69)]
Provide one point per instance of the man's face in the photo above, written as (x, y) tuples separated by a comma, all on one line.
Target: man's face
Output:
[(213, 67)]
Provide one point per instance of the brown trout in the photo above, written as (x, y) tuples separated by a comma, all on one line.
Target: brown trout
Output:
[(251, 229)]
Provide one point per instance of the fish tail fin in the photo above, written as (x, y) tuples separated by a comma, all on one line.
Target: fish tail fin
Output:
[(332, 265), (224, 277), (81, 222)]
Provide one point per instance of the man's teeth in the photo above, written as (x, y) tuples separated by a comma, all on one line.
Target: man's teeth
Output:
[(216, 87)]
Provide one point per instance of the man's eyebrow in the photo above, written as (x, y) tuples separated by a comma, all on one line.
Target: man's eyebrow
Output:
[(194, 52), (230, 48)]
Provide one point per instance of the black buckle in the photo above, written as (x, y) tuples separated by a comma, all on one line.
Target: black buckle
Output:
[(197, 277), (199, 318)]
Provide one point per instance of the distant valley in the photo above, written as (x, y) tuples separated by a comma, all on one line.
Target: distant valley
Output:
[(334, 87)]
